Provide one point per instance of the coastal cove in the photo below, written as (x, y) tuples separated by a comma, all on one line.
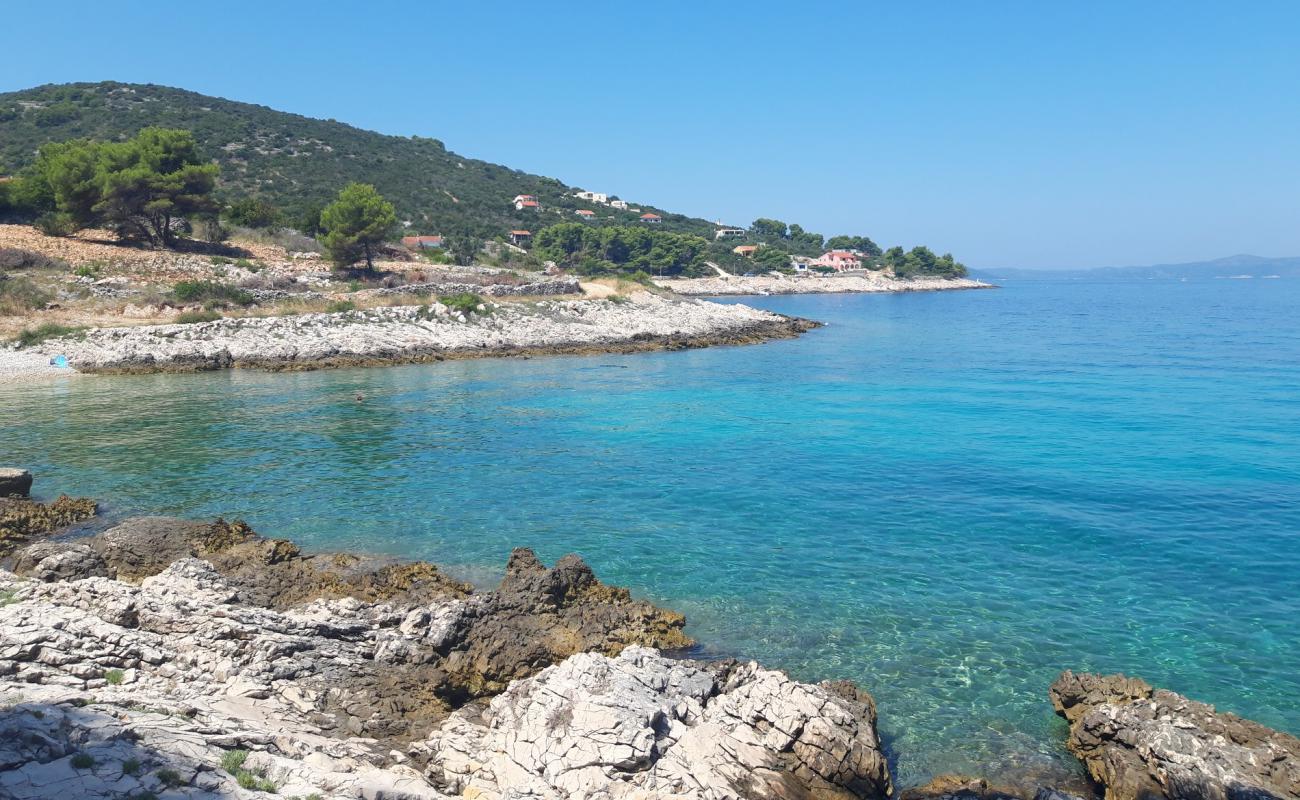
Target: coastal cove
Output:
[(978, 489)]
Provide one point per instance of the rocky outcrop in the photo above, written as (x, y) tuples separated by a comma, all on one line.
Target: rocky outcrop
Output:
[(640, 725), (1139, 742), (22, 520), (15, 482), (177, 686), (113, 690), (443, 645), (402, 334)]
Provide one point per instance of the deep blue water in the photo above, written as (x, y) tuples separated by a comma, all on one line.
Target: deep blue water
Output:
[(947, 497)]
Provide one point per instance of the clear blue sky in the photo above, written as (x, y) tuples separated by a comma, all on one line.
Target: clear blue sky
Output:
[(1012, 134)]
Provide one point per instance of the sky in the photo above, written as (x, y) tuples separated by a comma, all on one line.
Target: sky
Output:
[(1010, 134)]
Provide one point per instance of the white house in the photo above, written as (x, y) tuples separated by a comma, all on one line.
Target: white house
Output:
[(585, 213), (595, 197), (729, 233), (621, 205), (526, 201)]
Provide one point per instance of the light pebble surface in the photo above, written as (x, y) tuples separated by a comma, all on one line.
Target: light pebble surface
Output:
[(19, 366), (814, 284), (406, 333)]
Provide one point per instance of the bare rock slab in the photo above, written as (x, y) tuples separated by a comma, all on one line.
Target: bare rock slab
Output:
[(1139, 742), (643, 725)]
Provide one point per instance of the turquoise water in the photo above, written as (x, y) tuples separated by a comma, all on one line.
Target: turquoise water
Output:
[(947, 497)]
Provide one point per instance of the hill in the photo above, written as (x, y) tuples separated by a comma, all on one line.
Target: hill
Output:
[(1228, 267), (295, 161)]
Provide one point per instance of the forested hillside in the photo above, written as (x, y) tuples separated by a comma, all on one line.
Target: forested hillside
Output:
[(280, 168), (294, 161)]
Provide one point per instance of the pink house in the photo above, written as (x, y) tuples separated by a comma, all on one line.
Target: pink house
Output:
[(838, 260), (653, 219), (585, 214), (523, 201)]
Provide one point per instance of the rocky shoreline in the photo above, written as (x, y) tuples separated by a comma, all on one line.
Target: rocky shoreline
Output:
[(159, 657), (868, 283), (408, 334)]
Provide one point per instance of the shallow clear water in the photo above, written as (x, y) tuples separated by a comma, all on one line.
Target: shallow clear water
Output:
[(947, 497)]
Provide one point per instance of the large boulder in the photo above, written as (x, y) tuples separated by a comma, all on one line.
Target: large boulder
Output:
[(540, 616), (15, 482), (641, 725), (1139, 743), (59, 561)]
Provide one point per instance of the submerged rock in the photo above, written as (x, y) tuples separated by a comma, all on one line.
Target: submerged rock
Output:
[(964, 787), (1139, 742), (642, 725)]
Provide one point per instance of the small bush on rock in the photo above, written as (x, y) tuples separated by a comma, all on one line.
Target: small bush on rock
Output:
[(253, 780), (211, 292), (339, 306), (465, 302), (114, 677), (194, 317), (169, 777), (48, 330), (82, 761)]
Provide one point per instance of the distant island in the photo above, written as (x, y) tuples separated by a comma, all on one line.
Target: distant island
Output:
[(1239, 266)]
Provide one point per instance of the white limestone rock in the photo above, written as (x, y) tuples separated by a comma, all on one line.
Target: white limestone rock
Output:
[(641, 724)]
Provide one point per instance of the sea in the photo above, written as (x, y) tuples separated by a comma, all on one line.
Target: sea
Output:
[(947, 497)]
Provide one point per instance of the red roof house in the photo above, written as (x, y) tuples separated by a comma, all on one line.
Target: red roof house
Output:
[(652, 218), (422, 242)]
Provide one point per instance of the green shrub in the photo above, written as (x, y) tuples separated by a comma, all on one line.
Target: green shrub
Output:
[(221, 260), (193, 317), (254, 782), (114, 677), (56, 223), (252, 212), (131, 766), (169, 777), (48, 330), (465, 302), (20, 295), (251, 266), (339, 306), (216, 293), (233, 762), (82, 761), (7, 598)]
